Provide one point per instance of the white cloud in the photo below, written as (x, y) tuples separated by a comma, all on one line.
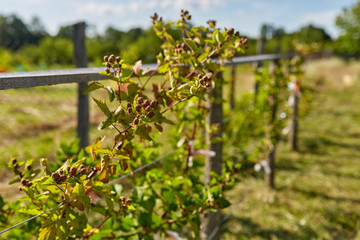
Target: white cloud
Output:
[(101, 9), (324, 19), (136, 6), (320, 18)]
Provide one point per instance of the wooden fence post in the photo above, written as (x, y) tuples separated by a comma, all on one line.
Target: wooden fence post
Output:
[(294, 121), (232, 87), (80, 59), (211, 223), (270, 176)]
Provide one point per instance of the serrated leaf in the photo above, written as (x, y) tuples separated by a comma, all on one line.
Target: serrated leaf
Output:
[(103, 107), (143, 132), (104, 124), (92, 87), (125, 75), (31, 211), (163, 68), (111, 93), (104, 176), (191, 44), (79, 162), (47, 233)]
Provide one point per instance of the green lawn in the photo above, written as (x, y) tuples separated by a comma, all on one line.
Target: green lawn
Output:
[(317, 193)]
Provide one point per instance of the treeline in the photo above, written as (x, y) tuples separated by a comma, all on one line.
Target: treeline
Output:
[(29, 46)]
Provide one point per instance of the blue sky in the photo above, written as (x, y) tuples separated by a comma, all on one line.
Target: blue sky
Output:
[(245, 16)]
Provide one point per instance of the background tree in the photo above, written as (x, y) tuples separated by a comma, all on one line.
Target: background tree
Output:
[(349, 24), (13, 32)]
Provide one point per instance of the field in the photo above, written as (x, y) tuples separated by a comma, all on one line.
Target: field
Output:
[(317, 194)]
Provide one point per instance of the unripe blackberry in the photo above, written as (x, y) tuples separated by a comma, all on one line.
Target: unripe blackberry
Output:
[(140, 100), (55, 176), (136, 121), (138, 108), (16, 166), (129, 201), (63, 178), (117, 59), (24, 181), (122, 199), (106, 58), (108, 65), (112, 58), (29, 184), (128, 105), (72, 171), (129, 110), (154, 103), (107, 70), (28, 167), (148, 109), (82, 171), (150, 115), (230, 31), (20, 188), (146, 103), (13, 161), (61, 172)]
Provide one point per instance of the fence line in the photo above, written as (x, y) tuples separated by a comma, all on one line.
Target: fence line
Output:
[(105, 185), (27, 220), (77, 75), (81, 75)]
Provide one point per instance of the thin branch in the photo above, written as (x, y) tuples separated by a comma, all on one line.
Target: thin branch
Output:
[(173, 105)]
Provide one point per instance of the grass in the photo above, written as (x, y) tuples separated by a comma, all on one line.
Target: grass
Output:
[(317, 193)]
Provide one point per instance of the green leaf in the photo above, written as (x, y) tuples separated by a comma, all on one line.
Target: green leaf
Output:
[(111, 93), (127, 224), (103, 107), (168, 196), (143, 132), (79, 162), (31, 211), (79, 190), (148, 204), (45, 166), (215, 191), (92, 87), (163, 68), (191, 44), (200, 96), (145, 219), (156, 221), (48, 233), (125, 75), (224, 203), (106, 123)]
